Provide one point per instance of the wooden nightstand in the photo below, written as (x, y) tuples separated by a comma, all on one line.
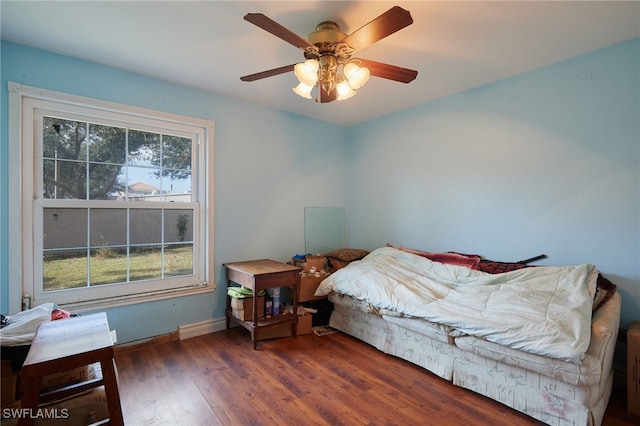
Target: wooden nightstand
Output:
[(260, 275)]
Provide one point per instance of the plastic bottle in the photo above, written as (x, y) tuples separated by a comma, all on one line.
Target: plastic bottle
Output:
[(268, 307), (275, 295)]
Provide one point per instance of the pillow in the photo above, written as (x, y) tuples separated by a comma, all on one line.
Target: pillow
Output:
[(335, 264), (347, 254), (338, 259), (451, 258)]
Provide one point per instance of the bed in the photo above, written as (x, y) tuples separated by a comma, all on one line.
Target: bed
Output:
[(537, 339)]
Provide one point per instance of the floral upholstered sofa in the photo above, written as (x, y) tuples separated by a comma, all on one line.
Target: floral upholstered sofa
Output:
[(549, 352)]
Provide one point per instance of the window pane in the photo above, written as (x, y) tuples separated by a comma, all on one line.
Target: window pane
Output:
[(144, 148), (145, 226), (176, 153), (107, 144), (176, 163), (178, 190), (64, 180), (120, 193), (178, 225), (178, 260), (64, 139), (104, 183), (64, 269), (64, 228), (145, 263), (108, 265), (144, 184), (108, 227)]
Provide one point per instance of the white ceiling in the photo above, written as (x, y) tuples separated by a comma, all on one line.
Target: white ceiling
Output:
[(454, 45)]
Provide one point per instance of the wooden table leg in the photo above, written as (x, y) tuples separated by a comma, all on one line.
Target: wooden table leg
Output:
[(30, 397), (109, 375), (254, 338)]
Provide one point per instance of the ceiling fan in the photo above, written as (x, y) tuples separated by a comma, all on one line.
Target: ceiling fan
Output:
[(329, 64)]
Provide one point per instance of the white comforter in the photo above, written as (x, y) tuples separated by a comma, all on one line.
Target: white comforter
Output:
[(544, 310)]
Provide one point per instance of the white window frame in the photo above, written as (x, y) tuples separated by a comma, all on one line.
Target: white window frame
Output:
[(25, 212)]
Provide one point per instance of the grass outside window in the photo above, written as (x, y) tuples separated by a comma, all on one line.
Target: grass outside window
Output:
[(108, 265)]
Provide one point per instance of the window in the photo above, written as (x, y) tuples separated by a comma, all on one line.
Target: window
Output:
[(115, 200)]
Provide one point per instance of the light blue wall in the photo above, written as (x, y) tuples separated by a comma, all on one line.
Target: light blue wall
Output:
[(268, 168), (546, 162)]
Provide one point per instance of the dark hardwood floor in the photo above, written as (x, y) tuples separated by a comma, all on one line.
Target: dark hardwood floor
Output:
[(218, 379)]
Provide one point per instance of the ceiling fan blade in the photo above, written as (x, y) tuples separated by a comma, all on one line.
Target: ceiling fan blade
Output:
[(268, 73), (327, 96), (384, 25), (391, 72), (277, 30)]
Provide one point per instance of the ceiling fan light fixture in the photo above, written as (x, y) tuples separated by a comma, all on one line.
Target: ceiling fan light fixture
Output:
[(307, 72), (328, 52), (357, 76), (344, 91), (304, 90)]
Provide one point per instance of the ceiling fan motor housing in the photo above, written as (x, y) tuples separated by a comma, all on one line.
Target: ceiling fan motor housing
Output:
[(326, 31), (327, 40)]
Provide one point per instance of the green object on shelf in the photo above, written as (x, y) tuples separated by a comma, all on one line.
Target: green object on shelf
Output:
[(242, 292)]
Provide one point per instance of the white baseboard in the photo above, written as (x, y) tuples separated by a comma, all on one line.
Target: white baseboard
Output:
[(187, 331)]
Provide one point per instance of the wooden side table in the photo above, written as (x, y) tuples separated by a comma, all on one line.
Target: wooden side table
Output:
[(260, 275), (65, 344)]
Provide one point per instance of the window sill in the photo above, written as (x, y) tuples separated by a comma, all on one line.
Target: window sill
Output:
[(115, 302)]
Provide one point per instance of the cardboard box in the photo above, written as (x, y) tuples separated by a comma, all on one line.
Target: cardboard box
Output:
[(308, 285), (633, 369), (282, 330), (304, 325), (64, 378), (8, 385), (316, 262), (242, 315), (242, 308)]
